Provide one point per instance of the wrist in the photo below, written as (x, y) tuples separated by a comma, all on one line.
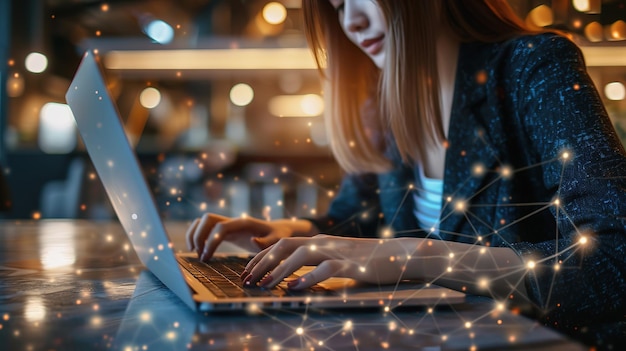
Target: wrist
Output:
[(299, 227)]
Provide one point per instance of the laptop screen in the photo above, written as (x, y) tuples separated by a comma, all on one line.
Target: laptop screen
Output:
[(100, 127)]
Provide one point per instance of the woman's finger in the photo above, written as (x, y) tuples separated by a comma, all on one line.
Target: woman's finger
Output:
[(269, 258), (301, 256), (325, 270), (203, 229), (227, 230), (190, 234)]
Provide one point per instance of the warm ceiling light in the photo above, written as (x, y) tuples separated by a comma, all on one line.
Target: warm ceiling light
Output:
[(218, 59), (150, 97), (581, 5), (588, 6), (593, 32), (36, 62), (618, 30), (541, 16), (274, 13), (615, 91), (241, 94)]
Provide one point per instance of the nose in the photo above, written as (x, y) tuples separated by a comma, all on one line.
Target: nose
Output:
[(354, 20)]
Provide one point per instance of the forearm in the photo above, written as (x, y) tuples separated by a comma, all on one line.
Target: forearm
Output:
[(497, 272)]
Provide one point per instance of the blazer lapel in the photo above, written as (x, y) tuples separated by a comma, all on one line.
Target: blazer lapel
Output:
[(470, 152)]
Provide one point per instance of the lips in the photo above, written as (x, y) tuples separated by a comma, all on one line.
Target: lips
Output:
[(373, 45)]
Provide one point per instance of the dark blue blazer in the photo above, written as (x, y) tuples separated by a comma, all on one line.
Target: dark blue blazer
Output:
[(535, 160)]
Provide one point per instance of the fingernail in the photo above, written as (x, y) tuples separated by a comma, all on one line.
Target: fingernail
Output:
[(247, 280), (293, 283), (244, 274), (268, 279)]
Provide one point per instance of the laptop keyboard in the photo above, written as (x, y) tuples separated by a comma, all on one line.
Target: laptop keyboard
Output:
[(222, 276)]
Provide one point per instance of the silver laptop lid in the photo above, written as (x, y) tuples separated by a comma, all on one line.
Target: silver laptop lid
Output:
[(101, 129)]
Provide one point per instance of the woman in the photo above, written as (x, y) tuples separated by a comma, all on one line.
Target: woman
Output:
[(515, 176)]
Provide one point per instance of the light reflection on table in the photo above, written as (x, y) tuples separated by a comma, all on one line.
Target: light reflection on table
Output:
[(78, 285)]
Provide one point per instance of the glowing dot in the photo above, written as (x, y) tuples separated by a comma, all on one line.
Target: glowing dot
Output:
[(145, 316), (451, 255), (481, 77), (387, 309), (576, 87), (557, 267), (299, 331), (482, 250), (483, 283), (430, 310), (506, 172), (531, 264), (96, 321), (5, 316), (387, 233), (362, 269), (444, 337), (347, 325), (557, 202), (36, 215), (352, 143), (478, 170), (313, 247), (565, 155), (449, 269), (104, 7), (582, 240), (134, 216), (460, 206), (468, 325)]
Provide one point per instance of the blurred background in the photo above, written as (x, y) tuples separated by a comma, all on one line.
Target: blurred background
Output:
[(221, 99)]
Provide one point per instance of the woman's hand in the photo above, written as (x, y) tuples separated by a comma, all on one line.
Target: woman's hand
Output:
[(375, 261), (206, 233), (492, 271)]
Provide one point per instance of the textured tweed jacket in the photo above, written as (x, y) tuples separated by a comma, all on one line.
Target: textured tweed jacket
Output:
[(535, 162)]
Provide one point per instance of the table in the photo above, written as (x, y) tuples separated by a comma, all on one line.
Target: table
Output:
[(78, 285)]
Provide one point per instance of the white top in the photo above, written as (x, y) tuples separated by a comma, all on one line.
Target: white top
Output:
[(428, 202)]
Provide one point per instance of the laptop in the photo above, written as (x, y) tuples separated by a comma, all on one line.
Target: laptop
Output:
[(115, 161)]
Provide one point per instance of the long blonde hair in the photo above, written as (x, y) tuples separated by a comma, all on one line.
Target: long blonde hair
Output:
[(410, 108)]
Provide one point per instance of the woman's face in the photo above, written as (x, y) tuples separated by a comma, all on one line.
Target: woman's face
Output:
[(364, 24)]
